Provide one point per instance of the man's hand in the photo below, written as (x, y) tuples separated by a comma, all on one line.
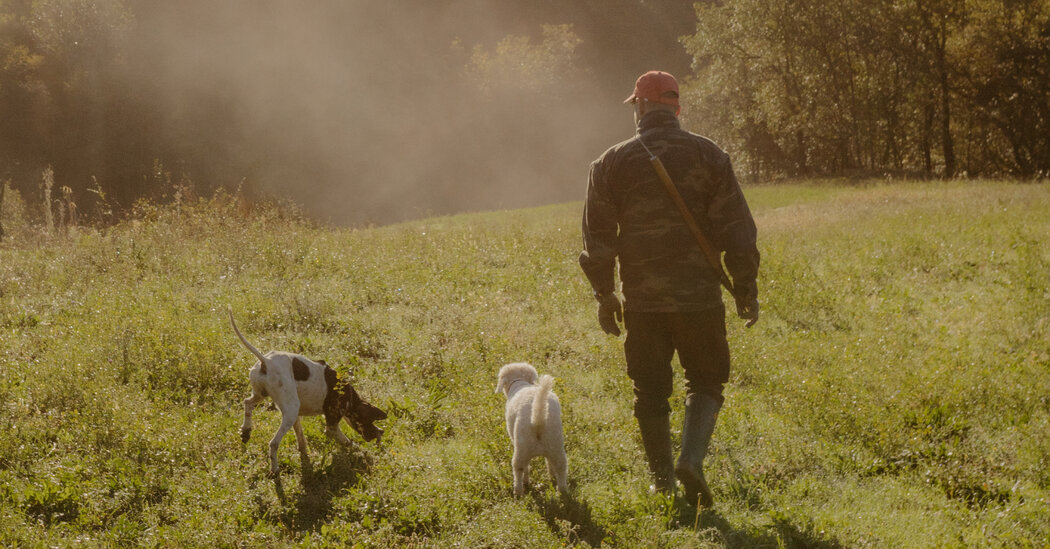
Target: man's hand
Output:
[(610, 311), (747, 309)]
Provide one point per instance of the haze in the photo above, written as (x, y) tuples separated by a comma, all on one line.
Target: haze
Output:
[(373, 112)]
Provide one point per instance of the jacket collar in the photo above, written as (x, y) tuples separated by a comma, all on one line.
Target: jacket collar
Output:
[(658, 119)]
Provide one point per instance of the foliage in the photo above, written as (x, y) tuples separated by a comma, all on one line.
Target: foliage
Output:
[(518, 64), (894, 393), (889, 86), (61, 96)]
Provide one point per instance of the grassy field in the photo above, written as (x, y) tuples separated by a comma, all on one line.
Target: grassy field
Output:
[(896, 392)]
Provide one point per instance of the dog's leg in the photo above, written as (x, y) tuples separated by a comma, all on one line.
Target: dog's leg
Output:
[(558, 467), (299, 436), (289, 417), (520, 464), (333, 431), (249, 405), (301, 439)]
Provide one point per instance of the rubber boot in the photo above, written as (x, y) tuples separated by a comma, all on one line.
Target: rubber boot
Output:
[(656, 438), (701, 411)]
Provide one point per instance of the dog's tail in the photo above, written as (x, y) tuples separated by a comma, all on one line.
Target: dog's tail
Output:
[(262, 359), (539, 402)]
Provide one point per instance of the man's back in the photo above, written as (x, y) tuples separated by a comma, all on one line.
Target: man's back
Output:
[(661, 266)]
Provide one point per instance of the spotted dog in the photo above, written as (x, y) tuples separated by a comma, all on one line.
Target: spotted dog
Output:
[(302, 387)]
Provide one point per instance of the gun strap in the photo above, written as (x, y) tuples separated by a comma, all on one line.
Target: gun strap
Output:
[(712, 255)]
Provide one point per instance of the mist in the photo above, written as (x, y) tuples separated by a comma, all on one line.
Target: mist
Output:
[(368, 112), (361, 112)]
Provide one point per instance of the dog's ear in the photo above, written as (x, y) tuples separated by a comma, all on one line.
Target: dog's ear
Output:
[(499, 384), (369, 412), (363, 417)]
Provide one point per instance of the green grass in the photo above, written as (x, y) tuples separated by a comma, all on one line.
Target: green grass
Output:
[(896, 392)]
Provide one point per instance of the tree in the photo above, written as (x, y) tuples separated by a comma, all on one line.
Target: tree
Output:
[(82, 44), (1007, 75), (521, 67), (832, 88), (20, 90)]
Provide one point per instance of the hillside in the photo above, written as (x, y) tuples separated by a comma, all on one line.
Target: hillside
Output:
[(896, 392)]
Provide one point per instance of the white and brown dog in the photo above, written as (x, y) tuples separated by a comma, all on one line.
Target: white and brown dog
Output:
[(301, 387), (533, 416)]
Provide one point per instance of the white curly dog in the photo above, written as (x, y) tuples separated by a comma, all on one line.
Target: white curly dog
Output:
[(533, 423)]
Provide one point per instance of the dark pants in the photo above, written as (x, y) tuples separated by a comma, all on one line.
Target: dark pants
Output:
[(653, 338)]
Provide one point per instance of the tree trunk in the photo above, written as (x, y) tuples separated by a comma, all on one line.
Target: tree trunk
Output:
[(3, 186), (946, 133), (927, 130)]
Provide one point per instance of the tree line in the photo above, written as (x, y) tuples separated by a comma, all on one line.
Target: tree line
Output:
[(918, 87), (464, 107)]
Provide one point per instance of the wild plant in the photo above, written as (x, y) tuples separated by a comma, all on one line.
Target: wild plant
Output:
[(47, 183), (68, 207), (103, 210)]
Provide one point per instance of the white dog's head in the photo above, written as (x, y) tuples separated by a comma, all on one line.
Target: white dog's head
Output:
[(515, 371)]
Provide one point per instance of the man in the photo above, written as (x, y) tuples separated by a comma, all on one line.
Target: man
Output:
[(672, 298)]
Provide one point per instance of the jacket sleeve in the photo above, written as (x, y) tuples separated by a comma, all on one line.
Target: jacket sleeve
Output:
[(734, 231), (600, 228)]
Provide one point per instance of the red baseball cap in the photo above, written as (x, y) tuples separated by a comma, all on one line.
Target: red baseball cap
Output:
[(655, 86)]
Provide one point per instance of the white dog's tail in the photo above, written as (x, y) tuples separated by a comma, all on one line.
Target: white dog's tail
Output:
[(262, 359), (539, 402)]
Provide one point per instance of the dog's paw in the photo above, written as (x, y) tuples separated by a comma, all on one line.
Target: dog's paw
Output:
[(245, 435)]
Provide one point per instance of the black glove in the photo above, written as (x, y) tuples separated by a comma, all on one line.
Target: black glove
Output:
[(747, 309), (610, 311)]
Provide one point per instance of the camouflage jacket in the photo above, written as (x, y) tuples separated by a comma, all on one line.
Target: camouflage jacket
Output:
[(629, 217)]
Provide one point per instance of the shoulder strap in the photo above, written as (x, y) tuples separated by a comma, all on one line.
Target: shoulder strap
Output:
[(712, 255)]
